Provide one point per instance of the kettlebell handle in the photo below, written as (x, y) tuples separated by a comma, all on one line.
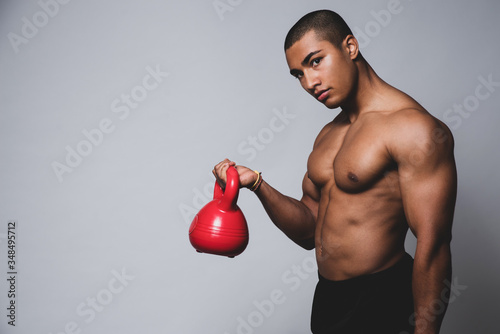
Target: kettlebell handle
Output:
[(229, 196)]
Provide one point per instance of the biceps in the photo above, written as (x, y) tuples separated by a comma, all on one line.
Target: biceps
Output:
[(429, 201)]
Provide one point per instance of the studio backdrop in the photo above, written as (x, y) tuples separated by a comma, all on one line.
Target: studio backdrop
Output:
[(113, 114)]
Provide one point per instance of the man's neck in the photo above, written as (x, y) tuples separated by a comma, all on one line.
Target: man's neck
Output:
[(367, 94)]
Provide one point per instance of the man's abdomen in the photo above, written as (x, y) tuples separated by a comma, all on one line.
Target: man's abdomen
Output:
[(360, 233)]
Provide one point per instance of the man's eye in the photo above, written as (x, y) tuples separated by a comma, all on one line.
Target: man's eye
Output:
[(298, 76), (315, 61)]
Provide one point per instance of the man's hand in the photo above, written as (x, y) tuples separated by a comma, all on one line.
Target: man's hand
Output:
[(247, 176)]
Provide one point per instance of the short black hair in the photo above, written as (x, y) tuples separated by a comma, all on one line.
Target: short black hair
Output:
[(327, 25)]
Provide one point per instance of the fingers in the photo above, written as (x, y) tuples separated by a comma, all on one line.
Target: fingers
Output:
[(247, 177), (220, 170)]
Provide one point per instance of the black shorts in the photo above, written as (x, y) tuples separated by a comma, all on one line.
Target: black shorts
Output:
[(379, 303)]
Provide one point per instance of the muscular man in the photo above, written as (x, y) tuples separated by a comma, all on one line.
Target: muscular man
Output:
[(383, 165)]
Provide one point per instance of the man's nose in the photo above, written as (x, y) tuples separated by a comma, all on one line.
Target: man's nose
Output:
[(311, 81)]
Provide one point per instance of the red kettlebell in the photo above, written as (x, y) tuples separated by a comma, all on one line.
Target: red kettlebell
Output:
[(220, 227)]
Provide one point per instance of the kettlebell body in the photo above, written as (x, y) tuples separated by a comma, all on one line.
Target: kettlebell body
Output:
[(220, 227)]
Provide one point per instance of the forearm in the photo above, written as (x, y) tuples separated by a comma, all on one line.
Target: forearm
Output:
[(291, 216), (431, 271)]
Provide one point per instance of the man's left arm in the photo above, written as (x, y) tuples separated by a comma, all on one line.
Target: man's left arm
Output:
[(428, 183)]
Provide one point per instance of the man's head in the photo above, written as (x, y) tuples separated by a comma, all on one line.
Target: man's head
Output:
[(323, 54), (327, 25)]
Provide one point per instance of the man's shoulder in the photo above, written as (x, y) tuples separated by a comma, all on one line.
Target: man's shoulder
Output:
[(415, 123), (414, 128), (410, 117)]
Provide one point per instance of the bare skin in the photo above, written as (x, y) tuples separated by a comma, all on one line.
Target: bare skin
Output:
[(383, 165)]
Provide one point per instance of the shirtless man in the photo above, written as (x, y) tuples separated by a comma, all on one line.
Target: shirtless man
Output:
[(383, 165)]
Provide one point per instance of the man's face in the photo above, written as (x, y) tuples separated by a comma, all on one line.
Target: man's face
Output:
[(324, 71)]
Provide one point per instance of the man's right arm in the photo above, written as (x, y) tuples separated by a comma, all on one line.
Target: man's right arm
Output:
[(297, 219)]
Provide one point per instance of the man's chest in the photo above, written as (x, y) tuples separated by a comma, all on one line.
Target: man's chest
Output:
[(353, 157)]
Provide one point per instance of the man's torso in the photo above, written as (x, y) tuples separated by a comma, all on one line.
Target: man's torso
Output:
[(361, 224)]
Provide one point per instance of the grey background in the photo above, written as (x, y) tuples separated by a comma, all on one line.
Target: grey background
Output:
[(128, 205)]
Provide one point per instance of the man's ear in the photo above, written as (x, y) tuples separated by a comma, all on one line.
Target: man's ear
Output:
[(352, 46)]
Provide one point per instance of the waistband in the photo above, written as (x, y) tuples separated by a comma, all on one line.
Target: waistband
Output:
[(404, 265)]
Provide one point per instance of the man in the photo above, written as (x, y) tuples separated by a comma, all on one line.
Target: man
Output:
[(383, 165)]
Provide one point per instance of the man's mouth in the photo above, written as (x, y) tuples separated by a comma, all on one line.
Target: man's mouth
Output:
[(322, 95)]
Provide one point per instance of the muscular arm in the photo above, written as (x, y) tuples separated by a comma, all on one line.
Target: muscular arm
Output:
[(297, 219), (428, 184)]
